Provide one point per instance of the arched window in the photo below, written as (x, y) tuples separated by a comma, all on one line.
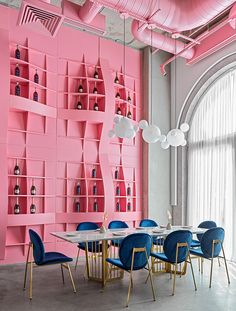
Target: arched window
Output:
[(212, 160)]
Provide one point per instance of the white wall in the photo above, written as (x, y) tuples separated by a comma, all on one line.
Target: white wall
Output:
[(156, 161)]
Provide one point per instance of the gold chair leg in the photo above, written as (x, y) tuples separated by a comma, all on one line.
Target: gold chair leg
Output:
[(87, 260), (151, 280), (130, 279), (31, 281), (199, 264), (226, 267), (62, 274), (194, 281), (212, 258), (77, 258), (26, 266), (202, 261), (173, 292), (71, 278), (219, 261)]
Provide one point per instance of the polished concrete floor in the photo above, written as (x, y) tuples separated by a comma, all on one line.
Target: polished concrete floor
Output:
[(50, 294)]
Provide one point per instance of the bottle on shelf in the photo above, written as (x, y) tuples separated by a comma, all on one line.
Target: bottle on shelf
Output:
[(32, 208), (17, 208), (17, 189), (118, 206), (116, 173), (33, 190), (78, 189), (129, 206), (35, 95), (116, 79), (118, 111), (17, 70), (17, 89), (95, 90), (77, 206), (95, 205), (80, 89), (95, 75), (94, 189), (17, 52), (94, 173), (36, 77), (118, 190), (79, 105), (129, 115), (95, 106), (129, 98), (128, 190), (16, 170), (118, 95)]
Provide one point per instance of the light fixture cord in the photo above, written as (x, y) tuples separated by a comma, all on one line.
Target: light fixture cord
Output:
[(124, 46), (151, 74)]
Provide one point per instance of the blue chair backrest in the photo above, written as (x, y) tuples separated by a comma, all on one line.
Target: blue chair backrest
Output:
[(87, 225), (207, 224), (148, 223), (135, 240), (170, 245), (217, 233), (38, 248), (116, 224)]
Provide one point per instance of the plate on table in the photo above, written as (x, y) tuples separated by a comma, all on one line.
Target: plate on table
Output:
[(140, 228), (186, 227), (160, 230), (119, 233), (163, 226), (71, 235)]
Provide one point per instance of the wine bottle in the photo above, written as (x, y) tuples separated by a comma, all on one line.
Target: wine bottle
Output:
[(95, 90), (17, 70), (118, 111), (33, 190), (95, 106), (35, 96), (17, 208), (17, 52), (129, 115), (129, 206), (36, 77), (77, 206), (129, 98), (116, 79), (16, 170), (118, 206), (118, 95), (94, 189), (95, 75), (94, 173), (118, 190), (17, 89), (78, 189), (80, 89), (128, 190), (116, 173), (32, 208), (17, 190), (95, 206), (79, 105)]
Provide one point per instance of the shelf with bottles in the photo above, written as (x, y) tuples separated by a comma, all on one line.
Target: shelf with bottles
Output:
[(96, 204), (79, 206)]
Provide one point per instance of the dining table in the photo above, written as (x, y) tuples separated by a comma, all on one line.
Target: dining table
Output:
[(98, 265)]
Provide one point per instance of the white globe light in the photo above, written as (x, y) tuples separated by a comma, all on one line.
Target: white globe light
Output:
[(116, 119), (175, 137), (119, 131), (111, 133), (162, 138), (125, 123), (151, 134), (143, 124), (130, 133), (184, 143), (184, 127), (136, 128), (165, 145)]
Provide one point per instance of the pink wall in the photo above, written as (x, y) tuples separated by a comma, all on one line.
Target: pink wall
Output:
[(57, 146)]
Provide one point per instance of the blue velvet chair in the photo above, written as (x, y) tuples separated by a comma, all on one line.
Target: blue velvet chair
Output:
[(134, 253), (175, 251), (42, 258), (91, 247), (117, 224), (210, 247), (207, 224), (147, 223)]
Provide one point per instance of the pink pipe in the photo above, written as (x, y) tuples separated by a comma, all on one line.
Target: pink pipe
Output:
[(89, 11), (160, 41), (178, 15)]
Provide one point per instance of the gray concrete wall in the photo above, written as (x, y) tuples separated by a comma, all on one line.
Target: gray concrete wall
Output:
[(156, 161)]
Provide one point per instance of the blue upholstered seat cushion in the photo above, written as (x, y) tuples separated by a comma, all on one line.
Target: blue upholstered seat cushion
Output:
[(160, 256), (195, 243), (116, 262), (94, 247), (54, 257), (196, 252)]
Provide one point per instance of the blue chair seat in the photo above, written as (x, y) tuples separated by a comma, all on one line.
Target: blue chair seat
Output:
[(116, 262), (195, 243), (54, 258), (94, 247), (160, 256), (197, 252)]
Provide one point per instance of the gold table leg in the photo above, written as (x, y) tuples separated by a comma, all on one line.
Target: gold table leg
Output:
[(104, 262)]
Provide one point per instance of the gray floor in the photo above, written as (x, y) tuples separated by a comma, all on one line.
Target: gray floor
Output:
[(50, 294)]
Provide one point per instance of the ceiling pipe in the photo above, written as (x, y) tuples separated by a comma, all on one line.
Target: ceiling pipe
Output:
[(160, 41), (88, 11)]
